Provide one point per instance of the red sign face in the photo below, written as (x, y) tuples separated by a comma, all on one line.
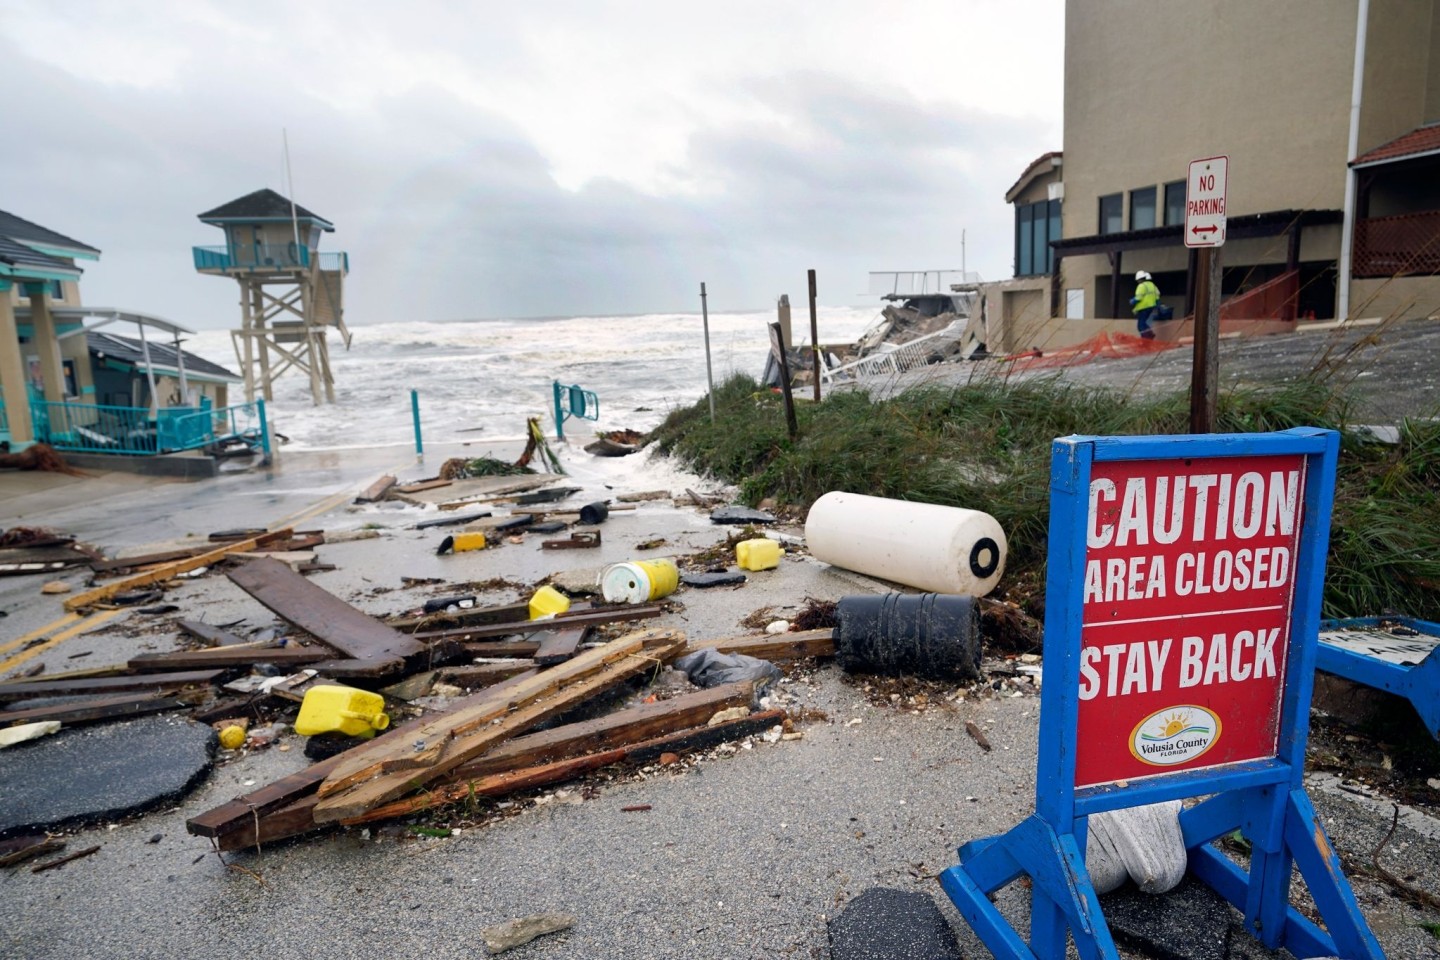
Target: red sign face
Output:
[(1189, 574)]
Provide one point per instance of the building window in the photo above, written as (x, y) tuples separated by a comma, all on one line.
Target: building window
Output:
[(1142, 209), (1174, 203), (1112, 218), (1037, 225), (57, 290)]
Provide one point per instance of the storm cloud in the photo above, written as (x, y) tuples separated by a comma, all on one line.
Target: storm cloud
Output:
[(546, 161)]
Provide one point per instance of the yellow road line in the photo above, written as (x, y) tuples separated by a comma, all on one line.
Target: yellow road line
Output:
[(94, 620), (63, 622)]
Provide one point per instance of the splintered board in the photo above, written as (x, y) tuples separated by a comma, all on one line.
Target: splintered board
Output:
[(388, 769)]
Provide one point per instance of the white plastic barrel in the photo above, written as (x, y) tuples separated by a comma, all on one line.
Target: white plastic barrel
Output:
[(921, 545)]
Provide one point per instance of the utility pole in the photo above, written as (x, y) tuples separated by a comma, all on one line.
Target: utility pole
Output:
[(814, 335)]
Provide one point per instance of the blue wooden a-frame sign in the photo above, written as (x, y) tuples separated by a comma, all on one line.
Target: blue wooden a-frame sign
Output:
[(1262, 796)]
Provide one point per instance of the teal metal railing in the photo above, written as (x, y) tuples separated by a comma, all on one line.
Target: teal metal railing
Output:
[(573, 401), (95, 428), (267, 256)]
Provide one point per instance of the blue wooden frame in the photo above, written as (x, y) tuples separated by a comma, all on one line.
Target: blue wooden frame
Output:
[(1264, 799), (1420, 684)]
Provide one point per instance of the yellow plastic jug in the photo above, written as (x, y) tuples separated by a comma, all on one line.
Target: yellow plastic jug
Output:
[(461, 542), (639, 581), (547, 602), (331, 708), (758, 554)]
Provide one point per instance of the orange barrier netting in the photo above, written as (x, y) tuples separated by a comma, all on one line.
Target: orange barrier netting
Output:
[(1102, 345)]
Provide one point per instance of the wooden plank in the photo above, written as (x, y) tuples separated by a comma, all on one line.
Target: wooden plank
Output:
[(223, 657), (618, 729), (103, 708), (155, 682), (370, 777), (505, 613), (557, 646), (205, 632), (287, 821), (450, 521), (484, 674), (169, 570), (561, 770), (783, 646), (594, 617), (345, 667), (147, 559), (423, 485), (507, 648), (320, 613), (234, 814), (376, 490)]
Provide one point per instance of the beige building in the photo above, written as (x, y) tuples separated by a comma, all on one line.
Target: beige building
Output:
[(1314, 186)]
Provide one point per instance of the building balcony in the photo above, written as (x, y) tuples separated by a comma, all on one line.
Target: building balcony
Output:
[(263, 258), (1404, 245)]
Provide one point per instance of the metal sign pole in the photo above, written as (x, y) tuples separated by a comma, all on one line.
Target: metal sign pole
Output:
[(709, 374), (814, 335)]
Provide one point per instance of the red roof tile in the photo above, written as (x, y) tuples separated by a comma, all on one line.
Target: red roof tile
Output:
[(1420, 140)]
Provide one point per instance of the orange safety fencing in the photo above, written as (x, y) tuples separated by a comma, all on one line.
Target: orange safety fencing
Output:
[(1110, 345)]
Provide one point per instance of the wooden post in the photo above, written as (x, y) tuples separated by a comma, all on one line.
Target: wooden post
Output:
[(782, 313), (814, 335), (777, 344), (709, 373), (1205, 369)]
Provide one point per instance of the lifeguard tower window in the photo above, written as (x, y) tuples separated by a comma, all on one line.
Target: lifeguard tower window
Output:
[(1142, 208), (1112, 215), (1036, 226), (1175, 202)]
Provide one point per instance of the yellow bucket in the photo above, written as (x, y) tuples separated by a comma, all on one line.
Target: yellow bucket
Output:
[(547, 602), (337, 709), (758, 554), (638, 581)]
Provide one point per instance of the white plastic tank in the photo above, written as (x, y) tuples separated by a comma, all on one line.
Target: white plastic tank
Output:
[(921, 545)]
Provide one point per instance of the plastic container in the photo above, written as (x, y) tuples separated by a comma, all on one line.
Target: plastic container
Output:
[(461, 542), (758, 554), (335, 709), (931, 635), (639, 581), (593, 513), (547, 602), (921, 545)]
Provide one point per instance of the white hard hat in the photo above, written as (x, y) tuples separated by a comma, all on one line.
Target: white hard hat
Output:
[(1141, 275)]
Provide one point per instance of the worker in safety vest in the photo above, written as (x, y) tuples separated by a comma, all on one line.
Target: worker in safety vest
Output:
[(1143, 304)]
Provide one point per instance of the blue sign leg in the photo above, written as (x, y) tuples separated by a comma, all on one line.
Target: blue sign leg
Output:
[(559, 413)]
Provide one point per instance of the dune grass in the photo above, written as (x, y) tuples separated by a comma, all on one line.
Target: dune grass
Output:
[(986, 446)]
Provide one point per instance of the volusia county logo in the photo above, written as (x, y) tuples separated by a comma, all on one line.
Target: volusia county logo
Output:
[(1174, 735)]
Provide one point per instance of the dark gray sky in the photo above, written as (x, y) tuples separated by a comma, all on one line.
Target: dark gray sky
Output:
[(545, 158)]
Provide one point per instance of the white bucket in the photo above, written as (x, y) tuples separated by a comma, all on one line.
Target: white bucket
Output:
[(921, 545)]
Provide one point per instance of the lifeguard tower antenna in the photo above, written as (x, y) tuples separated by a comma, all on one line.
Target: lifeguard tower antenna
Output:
[(291, 294)]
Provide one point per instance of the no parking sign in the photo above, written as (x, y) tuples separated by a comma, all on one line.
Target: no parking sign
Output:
[(1182, 606)]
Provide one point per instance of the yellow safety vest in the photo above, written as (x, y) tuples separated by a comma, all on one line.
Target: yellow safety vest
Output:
[(1146, 296)]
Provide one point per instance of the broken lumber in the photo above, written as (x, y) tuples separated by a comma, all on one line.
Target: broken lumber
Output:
[(562, 770), (205, 632), (782, 646), (504, 648), (26, 848), (155, 682), (585, 618), (104, 708), (166, 571), (382, 771), (484, 674), (376, 490), (618, 729), (559, 645), (320, 613), (147, 559), (226, 657), (234, 814), (505, 613)]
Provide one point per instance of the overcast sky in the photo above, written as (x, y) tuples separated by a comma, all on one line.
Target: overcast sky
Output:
[(529, 159)]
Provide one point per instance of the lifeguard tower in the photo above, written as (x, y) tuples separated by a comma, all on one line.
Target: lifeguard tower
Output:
[(290, 292)]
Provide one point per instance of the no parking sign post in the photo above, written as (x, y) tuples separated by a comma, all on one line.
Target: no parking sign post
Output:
[(1182, 608)]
